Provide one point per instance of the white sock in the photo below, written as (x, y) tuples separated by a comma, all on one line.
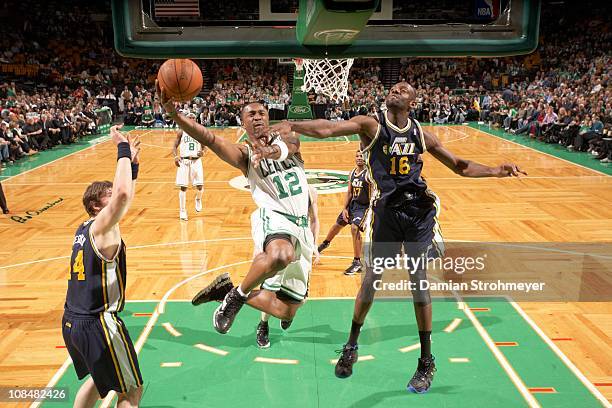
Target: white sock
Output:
[(241, 293), (182, 200), (199, 194), (264, 316)]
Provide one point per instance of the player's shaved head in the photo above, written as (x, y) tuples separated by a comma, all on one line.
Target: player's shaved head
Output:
[(250, 107), (255, 120), (400, 96)]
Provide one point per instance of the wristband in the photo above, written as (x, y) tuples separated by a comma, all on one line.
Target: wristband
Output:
[(123, 150), (284, 150), (135, 171)]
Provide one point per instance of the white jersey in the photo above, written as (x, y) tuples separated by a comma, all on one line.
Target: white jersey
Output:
[(189, 147), (280, 186)]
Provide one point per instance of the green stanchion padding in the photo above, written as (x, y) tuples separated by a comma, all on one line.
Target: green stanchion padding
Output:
[(299, 108)]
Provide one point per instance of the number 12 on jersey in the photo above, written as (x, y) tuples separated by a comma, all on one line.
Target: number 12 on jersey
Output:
[(294, 185)]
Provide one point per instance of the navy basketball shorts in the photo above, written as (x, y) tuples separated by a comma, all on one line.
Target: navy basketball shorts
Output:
[(101, 346), (356, 215), (412, 228)]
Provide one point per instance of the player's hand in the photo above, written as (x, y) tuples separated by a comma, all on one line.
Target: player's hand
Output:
[(509, 170), (316, 257), (166, 101), (345, 215), (282, 128), (263, 152), (116, 135), (135, 148), (177, 161), (201, 153)]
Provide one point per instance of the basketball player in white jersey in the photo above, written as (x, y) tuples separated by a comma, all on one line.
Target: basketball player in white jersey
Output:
[(280, 226), (187, 152)]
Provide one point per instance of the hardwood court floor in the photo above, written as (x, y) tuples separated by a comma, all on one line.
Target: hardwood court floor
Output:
[(557, 202)]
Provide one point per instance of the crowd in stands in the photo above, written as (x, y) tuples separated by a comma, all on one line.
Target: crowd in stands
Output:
[(62, 60)]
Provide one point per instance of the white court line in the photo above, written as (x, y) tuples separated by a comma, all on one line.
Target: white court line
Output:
[(170, 329), (465, 135), (70, 154), (518, 382), (453, 325), (162, 303), (173, 364), (359, 359), (588, 384), (544, 153), (275, 360), (56, 377), (211, 349), (459, 360), (200, 241), (406, 349)]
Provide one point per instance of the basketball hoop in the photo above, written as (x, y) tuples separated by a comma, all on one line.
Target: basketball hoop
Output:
[(326, 76)]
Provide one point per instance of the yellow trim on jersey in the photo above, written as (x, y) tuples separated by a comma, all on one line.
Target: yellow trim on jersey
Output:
[(127, 349), (93, 245), (422, 136), (104, 290), (113, 355), (121, 288), (368, 147), (397, 129)]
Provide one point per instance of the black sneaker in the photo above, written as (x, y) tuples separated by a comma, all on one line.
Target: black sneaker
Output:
[(285, 324), (263, 335), (216, 291), (354, 268), (226, 312), (323, 246), (348, 357), (422, 379)]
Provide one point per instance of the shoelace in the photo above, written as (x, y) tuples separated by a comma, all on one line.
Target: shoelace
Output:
[(233, 304), (344, 356)]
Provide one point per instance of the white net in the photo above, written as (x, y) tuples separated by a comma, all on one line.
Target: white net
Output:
[(326, 76)]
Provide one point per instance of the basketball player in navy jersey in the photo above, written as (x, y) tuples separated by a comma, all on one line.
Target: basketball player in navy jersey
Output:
[(403, 211), (353, 213), (95, 337)]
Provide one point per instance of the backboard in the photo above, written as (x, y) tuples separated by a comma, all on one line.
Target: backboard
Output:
[(324, 28)]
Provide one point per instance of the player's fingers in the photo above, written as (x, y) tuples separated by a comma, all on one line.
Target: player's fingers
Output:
[(523, 172)]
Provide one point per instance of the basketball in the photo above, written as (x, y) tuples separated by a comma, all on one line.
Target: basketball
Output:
[(181, 79)]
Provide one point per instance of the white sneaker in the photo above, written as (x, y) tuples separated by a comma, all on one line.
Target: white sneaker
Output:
[(183, 215), (198, 205), (605, 160)]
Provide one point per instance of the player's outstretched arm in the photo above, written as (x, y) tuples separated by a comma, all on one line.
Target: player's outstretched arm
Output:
[(233, 154), (467, 168), (177, 142), (109, 216), (364, 126)]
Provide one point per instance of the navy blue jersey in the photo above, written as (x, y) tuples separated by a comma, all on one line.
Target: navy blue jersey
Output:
[(394, 161), (95, 284), (360, 187)]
